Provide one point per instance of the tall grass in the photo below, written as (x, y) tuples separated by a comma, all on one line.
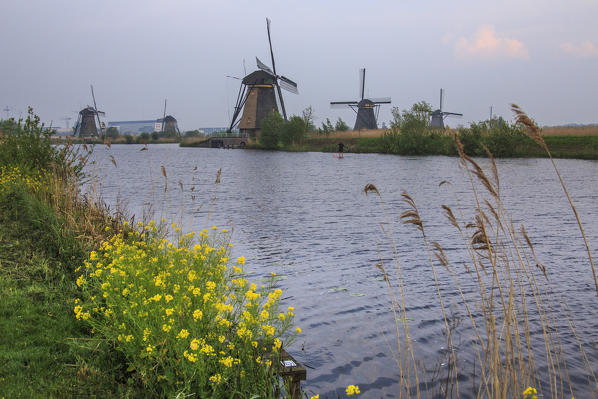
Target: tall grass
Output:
[(513, 320)]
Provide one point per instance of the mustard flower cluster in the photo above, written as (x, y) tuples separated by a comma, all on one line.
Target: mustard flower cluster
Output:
[(183, 313), (15, 176), (352, 390), (530, 393)]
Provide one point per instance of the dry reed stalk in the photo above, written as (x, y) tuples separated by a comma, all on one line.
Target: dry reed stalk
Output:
[(403, 305), (533, 131)]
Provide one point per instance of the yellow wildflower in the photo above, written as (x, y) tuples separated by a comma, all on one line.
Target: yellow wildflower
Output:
[(183, 334), (241, 260), (215, 379), (352, 390)]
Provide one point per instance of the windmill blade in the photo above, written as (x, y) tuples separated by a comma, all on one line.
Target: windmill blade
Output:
[(288, 85), (100, 113), (270, 42), (361, 83), (380, 100), (233, 77), (263, 66), (342, 104), (95, 107), (452, 113)]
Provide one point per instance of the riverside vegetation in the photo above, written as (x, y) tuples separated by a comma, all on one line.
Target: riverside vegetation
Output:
[(410, 134), (514, 320), (93, 306)]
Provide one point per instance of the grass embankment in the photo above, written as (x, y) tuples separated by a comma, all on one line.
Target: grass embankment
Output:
[(434, 143), (44, 350), (94, 307)]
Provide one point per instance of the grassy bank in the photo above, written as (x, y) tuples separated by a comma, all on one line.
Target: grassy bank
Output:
[(95, 307)]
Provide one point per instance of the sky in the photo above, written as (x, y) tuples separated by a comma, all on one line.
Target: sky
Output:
[(539, 54)]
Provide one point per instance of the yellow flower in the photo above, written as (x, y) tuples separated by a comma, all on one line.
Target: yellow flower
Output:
[(149, 349), (168, 298), (183, 334), (215, 379), (197, 314), (352, 390), (530, 393), (277, 343), (241, 260), (194, 345), (221, 338), (315, 397), (273, 274), (264, 315), (228, 362), (80, 281), (298, 330)]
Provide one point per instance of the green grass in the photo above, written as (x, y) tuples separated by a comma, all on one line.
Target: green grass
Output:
[(44, 351)]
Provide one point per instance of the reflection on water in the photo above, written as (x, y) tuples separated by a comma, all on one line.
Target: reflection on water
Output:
[(305, 217)]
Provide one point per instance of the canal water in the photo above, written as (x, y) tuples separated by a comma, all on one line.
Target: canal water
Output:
[(305, 216)]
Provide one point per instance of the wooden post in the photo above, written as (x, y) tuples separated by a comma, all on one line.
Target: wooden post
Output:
[(292, 371)]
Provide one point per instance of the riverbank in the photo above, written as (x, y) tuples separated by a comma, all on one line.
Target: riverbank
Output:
[(574, 147), (95, 307)]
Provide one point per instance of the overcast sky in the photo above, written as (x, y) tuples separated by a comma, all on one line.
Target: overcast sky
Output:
[(540, 54)]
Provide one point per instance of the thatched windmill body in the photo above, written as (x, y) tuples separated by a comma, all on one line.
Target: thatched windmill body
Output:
[(367, 109), (86, 122), (437, 117), (257, 95)]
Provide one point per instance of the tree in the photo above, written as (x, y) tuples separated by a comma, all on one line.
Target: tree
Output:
[(397, 119), (327, 127), (112, 132), (292, 131), (308, 119), (271, 126), (341, 126)]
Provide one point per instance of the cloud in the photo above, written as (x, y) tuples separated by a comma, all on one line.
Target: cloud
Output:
[(585, 49), (487, 46)]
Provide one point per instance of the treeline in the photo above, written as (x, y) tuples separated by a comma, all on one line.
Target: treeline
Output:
[(411, 134)]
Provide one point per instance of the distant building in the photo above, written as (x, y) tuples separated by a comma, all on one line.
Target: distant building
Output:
[(135, 128)]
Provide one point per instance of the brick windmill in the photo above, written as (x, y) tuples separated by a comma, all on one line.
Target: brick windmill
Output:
[(258, 95), (86, 122), (367, 109)]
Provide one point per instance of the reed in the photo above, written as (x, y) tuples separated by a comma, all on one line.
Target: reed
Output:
[(513, 315)]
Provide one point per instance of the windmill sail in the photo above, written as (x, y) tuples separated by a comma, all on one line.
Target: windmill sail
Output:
[(263, 66)]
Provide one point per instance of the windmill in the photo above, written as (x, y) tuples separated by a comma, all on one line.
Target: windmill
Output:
[(168, 124), (86, 122), (367, 109), (257, 97), (437, 121)]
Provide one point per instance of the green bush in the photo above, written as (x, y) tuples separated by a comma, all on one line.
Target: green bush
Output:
[(270, 130)]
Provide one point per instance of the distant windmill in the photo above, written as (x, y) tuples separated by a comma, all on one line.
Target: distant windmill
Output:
[(86, 122), (257, 97), (168, 124), (367, 109), (7, 110), (437, 121)]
